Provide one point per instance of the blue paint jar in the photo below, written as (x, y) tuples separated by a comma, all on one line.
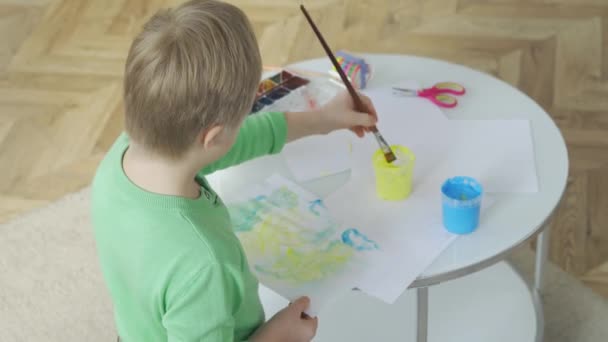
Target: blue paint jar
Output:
[(461, 197)]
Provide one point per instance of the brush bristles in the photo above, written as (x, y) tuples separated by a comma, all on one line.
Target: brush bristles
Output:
[(390, 157)]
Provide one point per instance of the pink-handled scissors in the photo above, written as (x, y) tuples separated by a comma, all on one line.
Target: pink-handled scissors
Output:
[(437, 93)]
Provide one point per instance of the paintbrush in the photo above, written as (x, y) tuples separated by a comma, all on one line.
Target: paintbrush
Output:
[(359, 106)]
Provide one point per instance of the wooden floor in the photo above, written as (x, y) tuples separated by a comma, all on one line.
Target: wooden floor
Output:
[(61, 63)]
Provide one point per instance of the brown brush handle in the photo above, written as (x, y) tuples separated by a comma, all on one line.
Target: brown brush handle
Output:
[(359, 106)]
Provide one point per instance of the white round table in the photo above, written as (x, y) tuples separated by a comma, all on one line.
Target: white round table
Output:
[(493, 305)]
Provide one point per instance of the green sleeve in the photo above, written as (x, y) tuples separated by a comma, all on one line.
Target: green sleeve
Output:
[(260, 134), (203, 310)]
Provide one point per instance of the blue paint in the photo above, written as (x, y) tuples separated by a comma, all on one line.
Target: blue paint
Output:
[(257, 106), (278, 93), (323, 235), (316, 203), (461, 204), (245, 216), (357, 240), (265, 101), (283, 198)]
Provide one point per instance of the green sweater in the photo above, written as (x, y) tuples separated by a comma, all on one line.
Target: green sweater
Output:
[(173, 266)]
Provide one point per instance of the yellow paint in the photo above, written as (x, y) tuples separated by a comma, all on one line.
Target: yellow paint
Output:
[(394, 180), (290, 254), (269, 235), (293, 245), (310, 265)]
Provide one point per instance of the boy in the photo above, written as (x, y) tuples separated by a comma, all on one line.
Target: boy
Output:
[(173, 266)]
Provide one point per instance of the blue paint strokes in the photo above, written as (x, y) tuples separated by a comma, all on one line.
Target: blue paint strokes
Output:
[(316, 203), (246, 215), (357, 240), (283, 198), (260, 198), (323, 235)]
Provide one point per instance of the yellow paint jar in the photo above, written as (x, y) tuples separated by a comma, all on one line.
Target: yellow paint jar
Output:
[(394, 180)]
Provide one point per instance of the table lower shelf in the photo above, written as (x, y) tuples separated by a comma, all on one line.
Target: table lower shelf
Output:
[(491, 305)]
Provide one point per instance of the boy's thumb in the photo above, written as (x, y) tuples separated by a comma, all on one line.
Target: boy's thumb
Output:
[(301, 304)]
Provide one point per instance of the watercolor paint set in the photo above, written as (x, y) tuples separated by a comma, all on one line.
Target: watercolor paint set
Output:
[(274, 88)]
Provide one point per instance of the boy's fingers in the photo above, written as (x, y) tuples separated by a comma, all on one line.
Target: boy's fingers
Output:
[(369, 105), (360, 122), (301, 304), (359, 131), (312, 324), (364, 119)]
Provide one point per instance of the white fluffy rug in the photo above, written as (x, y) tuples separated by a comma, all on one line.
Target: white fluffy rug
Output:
[(51, 288)]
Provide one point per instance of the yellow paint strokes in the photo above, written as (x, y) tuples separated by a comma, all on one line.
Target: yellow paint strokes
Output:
[(311, 265)]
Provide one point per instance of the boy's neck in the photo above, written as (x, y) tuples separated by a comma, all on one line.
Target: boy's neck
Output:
[(160, 175)]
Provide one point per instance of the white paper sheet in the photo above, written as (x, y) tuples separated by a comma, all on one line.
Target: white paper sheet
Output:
[(296, 248), (499, 153), (298, 245), (411, 232), (319, 155)]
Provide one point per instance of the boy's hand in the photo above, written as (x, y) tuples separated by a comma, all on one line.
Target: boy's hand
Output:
[(288, 325), (340, 113)]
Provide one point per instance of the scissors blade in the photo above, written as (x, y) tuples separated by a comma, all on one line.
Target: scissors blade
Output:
[(405, 91)]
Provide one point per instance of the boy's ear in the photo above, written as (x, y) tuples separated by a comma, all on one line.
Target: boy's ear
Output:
[(211, 136)]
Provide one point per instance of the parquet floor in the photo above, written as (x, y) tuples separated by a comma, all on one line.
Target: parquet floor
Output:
[(61, 63)]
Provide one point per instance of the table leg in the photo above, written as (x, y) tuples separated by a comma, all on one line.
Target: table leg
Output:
[(422, 294), (542, 250)]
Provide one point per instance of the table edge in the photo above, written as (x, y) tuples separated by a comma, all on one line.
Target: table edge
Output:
[(483, 264)]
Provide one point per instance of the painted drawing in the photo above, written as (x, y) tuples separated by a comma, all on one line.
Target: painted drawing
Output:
[(290, 237)]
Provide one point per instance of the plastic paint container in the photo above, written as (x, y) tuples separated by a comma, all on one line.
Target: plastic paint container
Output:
[(461, 200), (394, 180)]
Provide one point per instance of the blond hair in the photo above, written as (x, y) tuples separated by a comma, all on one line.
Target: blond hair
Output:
[(191, 67)]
